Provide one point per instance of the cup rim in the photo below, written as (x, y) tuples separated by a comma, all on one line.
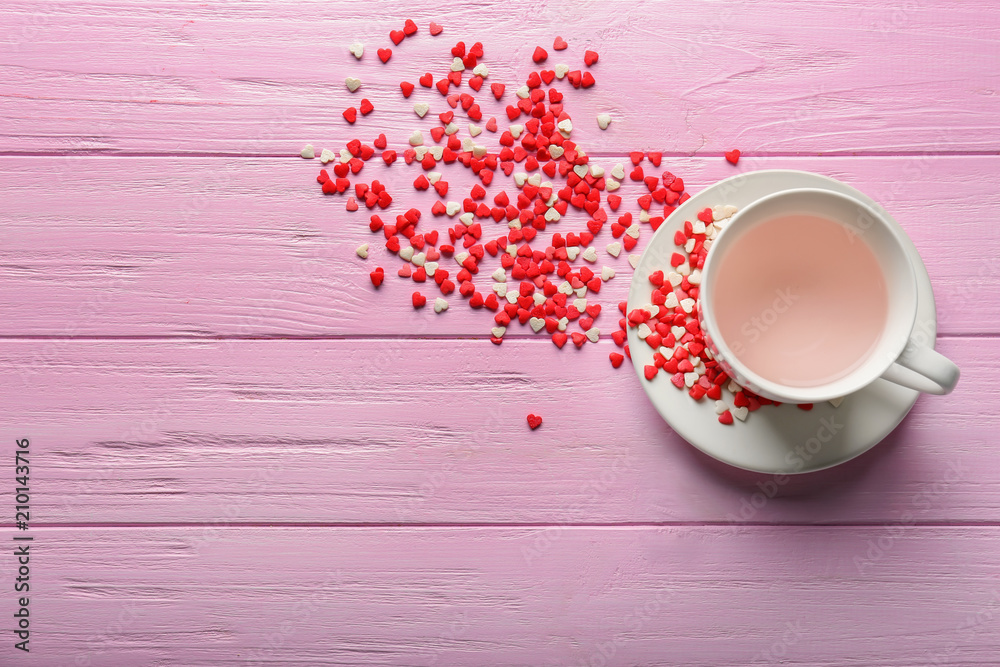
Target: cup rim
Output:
[(862, 376)]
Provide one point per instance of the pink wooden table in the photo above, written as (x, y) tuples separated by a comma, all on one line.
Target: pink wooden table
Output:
[(240, 453)]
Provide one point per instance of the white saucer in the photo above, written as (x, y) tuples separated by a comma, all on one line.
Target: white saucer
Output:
[(782, 439)]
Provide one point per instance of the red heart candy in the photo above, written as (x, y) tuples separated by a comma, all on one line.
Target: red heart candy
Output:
[(366, 107), (396, 36), (539, 55), (406, 87), (419, 300), (436, 29), (350, 114), (559, 44), (534, 421), (384, 55), (590, 57), (733, 156), (409, 27)]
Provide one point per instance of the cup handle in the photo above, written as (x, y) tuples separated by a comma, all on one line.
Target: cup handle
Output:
[(922, 368)]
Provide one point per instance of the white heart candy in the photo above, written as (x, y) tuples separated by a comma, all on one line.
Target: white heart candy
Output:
[(500, 289), (512, 296), (556, 152), (581, 170), (452, 207), (515, 131), (593, 334), (461, 257), (467, 219), (406, 254), (514, 224), (678, 332), (326, 155), (519, 179), (498, 332), (565, 125), (603, 120), (561, 70), (500, 275), (644, 330), (565, 288), (835, 402), (695, 277), (419, 259), (674, 278), (419, 152), (690, 379), (451, 128), (430, 268), (421, 109), (607, 273), (720, 407), (535, 179), (552, 215), (671, 301), (308, 152), (475, 130), (572, 252), (596, 170), (362, 251), (481, 70), (352, 83), (523, 92), (457, 65), (633, 230), (590, 254), (357, 49), (580, 304), (614, 249), (434, 176), (618, 171), (563, 323), (440, 305), (417, 138), (634, 260), (740, 413), (536, 324)]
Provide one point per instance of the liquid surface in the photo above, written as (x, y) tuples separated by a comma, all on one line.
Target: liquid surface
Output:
[(801, 301)]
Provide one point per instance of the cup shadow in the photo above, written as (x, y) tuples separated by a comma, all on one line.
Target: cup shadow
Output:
[(830, 482)]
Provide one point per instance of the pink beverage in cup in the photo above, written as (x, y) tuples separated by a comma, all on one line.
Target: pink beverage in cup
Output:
[(809, 294), (801, 302)]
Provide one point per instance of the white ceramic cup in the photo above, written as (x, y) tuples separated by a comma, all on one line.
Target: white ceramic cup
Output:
[(896, 357)]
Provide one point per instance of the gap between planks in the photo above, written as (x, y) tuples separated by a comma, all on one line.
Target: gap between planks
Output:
[(431, 525), (111, 153), (366, 337)]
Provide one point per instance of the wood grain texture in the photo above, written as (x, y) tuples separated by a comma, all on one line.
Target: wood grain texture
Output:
[(367, 491), (265, 77), (391, 431), (526, 597), (217, 247)]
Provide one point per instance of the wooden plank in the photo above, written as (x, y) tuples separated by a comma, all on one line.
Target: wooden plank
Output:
[(541, 596), (207, 247), (264, 78), (431, 431)]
